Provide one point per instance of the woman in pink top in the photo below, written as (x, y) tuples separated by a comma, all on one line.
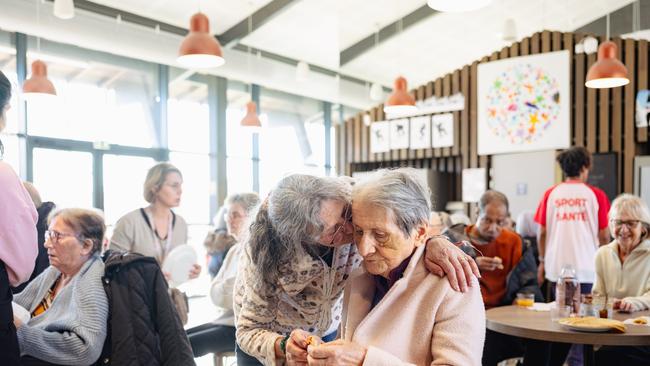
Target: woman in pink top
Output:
[(18, 247)]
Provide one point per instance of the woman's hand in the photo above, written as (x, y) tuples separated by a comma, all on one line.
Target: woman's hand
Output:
[(444, 258), (17, 322), (195, 271), (489, 263), (339, 353), (623, 306), (296, 347)]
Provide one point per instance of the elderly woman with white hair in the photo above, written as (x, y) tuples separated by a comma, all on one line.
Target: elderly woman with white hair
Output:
[(296, 264), (623, 271), (396, 312)]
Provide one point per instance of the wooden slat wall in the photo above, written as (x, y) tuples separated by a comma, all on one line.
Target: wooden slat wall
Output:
[(601, 120)]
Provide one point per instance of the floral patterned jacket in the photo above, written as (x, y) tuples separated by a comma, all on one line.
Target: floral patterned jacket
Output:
[(308, 295)]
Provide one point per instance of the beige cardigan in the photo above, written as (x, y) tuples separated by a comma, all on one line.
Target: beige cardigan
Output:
[(421, 320), (629, 281)]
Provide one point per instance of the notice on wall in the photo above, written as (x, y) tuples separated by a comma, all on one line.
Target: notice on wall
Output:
[(474, 184)]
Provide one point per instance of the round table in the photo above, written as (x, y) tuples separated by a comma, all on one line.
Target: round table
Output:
[(521, 322)]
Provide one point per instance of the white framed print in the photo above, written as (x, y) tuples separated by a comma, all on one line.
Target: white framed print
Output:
[(379, 137), (442, 130), (399, 134), (421, 132), (524, 104)]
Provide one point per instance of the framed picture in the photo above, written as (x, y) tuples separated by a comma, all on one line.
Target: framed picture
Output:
[(442, 130), (379, 137), (399, 134), (421, 132), (524, 104)]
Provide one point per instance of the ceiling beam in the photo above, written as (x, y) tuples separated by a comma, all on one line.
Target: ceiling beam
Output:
[(257, 19), (385, 33)]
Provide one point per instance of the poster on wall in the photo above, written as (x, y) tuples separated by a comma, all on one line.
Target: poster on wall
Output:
[(524, 104), (421, 132), (379, 137), (399, 134), (474, 184), (442, 130), (643, 108)]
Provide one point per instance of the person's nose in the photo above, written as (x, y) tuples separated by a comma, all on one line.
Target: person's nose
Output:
[(365, 246)]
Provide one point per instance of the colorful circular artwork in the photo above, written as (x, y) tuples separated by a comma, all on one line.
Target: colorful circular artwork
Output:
[(523, 102)]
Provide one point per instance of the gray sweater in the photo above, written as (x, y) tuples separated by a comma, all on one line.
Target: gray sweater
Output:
[(72, 331)]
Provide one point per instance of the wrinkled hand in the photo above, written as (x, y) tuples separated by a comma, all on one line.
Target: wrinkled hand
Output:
[(624, 306), (444, 258), (296, 348), (195, 271), (337, 353), (489, 263), (540, 274), (17, 322)]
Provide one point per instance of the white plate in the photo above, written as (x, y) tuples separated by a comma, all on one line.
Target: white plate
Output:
[(587, 329), (178, 264), (21, 313)]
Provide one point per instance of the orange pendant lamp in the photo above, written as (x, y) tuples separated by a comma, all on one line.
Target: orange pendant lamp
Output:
[(400, 101), (608, 71), (38, 83), (200, 49), (251, 120)]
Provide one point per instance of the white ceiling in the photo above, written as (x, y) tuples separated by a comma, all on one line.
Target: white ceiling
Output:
[(316, 31), (223, 14)]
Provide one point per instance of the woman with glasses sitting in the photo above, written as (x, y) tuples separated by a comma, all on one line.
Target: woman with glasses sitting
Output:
[(295, 265), (623, 271), (67, 304)]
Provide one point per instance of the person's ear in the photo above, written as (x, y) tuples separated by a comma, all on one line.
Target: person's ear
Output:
[(86, 247), (421, 234)]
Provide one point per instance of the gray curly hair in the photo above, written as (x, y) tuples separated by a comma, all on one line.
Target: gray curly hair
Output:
[(288, 221), (401, 191)]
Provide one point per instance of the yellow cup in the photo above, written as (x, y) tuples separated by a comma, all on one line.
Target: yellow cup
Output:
[(525, 300)]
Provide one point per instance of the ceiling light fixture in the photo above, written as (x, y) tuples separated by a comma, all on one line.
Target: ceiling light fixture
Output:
[(608, 71), (457, 6), (38, 85), (64, 9), (376, 92), (199, 49), (509, 30), (400, 101), (251, 119), (302, 71)]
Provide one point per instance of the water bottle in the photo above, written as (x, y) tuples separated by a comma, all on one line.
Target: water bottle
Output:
[(567, 290)]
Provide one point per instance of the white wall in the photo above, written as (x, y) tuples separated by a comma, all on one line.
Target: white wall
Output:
[(523, 178)]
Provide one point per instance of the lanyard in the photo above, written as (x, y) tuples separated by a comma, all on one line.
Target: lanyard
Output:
[(161, 249)]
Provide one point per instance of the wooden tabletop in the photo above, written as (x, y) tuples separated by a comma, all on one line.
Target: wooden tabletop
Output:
[(521, 322)]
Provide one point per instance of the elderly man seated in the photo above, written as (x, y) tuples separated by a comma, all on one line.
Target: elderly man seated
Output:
[(506, 267), (395, 311)]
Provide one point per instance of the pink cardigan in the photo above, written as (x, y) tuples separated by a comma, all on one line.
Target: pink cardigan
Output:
[(18, 242), (421, 320)]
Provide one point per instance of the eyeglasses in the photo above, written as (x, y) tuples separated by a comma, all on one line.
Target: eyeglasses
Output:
[(347, 217), (56, 236), (631, 224)]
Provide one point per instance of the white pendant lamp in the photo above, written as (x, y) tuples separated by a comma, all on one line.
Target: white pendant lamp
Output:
[(457, 6), (509, 30), (376, 92), (64, 9), (200, 50), (302, 71)]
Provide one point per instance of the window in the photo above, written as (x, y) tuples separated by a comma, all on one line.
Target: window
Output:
[(297, 122), (64, 177), (188, 115), (8, 136), (124, 195), (97, 100), (195, 201)]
